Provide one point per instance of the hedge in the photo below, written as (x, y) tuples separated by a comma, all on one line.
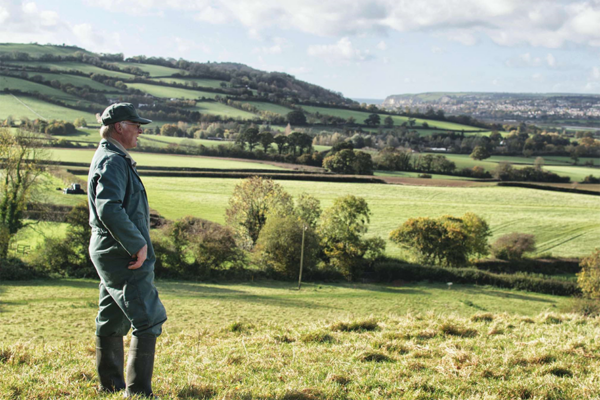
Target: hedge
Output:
[(390, 270)]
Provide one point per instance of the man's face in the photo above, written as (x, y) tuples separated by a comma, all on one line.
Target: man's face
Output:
[(127, 133)]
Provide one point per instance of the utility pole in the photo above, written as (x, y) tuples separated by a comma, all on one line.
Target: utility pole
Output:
[(301, 257)]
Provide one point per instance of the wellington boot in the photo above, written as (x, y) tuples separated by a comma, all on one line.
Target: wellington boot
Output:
[(140, 365), (109, 363)]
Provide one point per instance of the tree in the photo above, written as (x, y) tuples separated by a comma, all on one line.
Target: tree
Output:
[(80, 123), (281, 142), (373, 120), (341, 162), (21, 177), (513, 245), (446, 240), (538, 163), (279, 245), (308, 209), (589, 276), (266, 138), (296, 117), (363, 163), (250, 136), (388, 122), (342, 229), (480, 153), (250, 205)]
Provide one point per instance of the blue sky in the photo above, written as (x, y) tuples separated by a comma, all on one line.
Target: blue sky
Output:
[(364, 49)]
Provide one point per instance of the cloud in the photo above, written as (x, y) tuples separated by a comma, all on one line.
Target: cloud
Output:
[(382, 46), (540, 23), (526, 60), (437, 50), (342, 51), (275, 49)]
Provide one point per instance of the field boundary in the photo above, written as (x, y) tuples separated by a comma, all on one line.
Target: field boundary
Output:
[(549, 188)]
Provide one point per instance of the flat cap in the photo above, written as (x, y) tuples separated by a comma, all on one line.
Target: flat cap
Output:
[(122, 112)]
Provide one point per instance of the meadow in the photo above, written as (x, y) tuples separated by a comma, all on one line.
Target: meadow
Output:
[(263, 340), (211, 107), (153, 70), (171, 92), (33, 108), (11, 83), (274, 108), (36, 50), (71, 65), (79, 81), (209, 83), (360, 116)]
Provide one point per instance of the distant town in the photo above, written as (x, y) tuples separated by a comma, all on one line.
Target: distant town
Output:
[(544, 109)]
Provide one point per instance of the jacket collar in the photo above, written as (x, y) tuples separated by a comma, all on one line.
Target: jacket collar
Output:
[(117, 147)]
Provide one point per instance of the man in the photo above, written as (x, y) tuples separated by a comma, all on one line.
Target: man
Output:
[(122, 253)]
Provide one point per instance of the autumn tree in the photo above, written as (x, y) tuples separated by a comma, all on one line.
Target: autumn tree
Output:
[(252, 202), (480, 153)]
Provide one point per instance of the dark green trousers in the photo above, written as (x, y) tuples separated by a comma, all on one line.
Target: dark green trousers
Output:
[(129, 299)]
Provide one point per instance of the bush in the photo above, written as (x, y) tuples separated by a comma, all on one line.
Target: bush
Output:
[(446, 240), (13, 269), (390, 270), (425, 176), (513, 245), (279, 246), (589, 277)]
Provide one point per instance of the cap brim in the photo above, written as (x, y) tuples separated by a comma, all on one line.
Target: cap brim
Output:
[(142, 121)]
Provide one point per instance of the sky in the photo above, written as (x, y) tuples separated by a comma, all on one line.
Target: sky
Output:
[(361, 48)]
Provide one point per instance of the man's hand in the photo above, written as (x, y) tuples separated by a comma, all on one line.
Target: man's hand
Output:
[(139, 258)]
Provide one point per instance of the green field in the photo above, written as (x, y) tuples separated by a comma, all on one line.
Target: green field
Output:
[(210, 107), (360, 116), (262, 340), (274, 108), (564, 224), (37, 50), (558, 165), (163, 160), (10, 83), (171, 92), (70, 65), (407, 174), (79, 81), (209, 83), (153, 70), (34, 108)]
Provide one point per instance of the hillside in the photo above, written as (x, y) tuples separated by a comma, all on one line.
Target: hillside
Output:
[(46, 80)]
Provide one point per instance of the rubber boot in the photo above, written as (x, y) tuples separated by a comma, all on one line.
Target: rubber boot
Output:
[(109, 363), (140, 364)]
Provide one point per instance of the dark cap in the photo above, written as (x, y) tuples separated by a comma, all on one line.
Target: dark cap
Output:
[(122, 112)]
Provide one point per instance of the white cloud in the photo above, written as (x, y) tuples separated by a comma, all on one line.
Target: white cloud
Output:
[(342, 51), (437, 50), (543, 23), (524, 61), (275, 49), (213, 16), (595, 74), (299, 70), (382, 46), (550, 60), (4, 15)]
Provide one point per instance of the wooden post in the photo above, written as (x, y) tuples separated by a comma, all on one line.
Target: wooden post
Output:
[(301, 258)]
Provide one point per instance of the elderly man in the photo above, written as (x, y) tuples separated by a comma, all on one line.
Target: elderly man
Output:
[(122, 253)]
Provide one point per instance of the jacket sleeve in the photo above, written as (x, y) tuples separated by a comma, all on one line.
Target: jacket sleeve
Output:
[(111, 187)]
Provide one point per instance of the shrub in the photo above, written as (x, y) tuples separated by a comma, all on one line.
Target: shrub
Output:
[(279, 246), (342, 229), (589, 277), (446, 240), (13, 269), (425, 176), (513, 246)]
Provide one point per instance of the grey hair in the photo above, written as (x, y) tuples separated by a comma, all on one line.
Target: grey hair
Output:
[(106, 131)]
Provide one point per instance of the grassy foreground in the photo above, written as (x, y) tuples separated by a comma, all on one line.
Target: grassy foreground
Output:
[(265, 341)]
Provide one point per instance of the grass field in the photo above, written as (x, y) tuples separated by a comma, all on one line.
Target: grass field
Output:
[(34, 108), (79, 81), (210, 107), (564, 224), (264, 341), (70, 65), (274, 108), (558, 165), (10, 83), (209, 83), (37, 50), (153, 70), (360, 116), (171, 92), (163, 160)]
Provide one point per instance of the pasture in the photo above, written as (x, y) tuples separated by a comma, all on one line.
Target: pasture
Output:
[(171, 92), (261, 340), (153, 70), (274, 108), (79, 81), (33, 108), (360, 116), (37, 50), (212, 107), (564, 224), (71, 65), (208, 83), (11, 83)]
